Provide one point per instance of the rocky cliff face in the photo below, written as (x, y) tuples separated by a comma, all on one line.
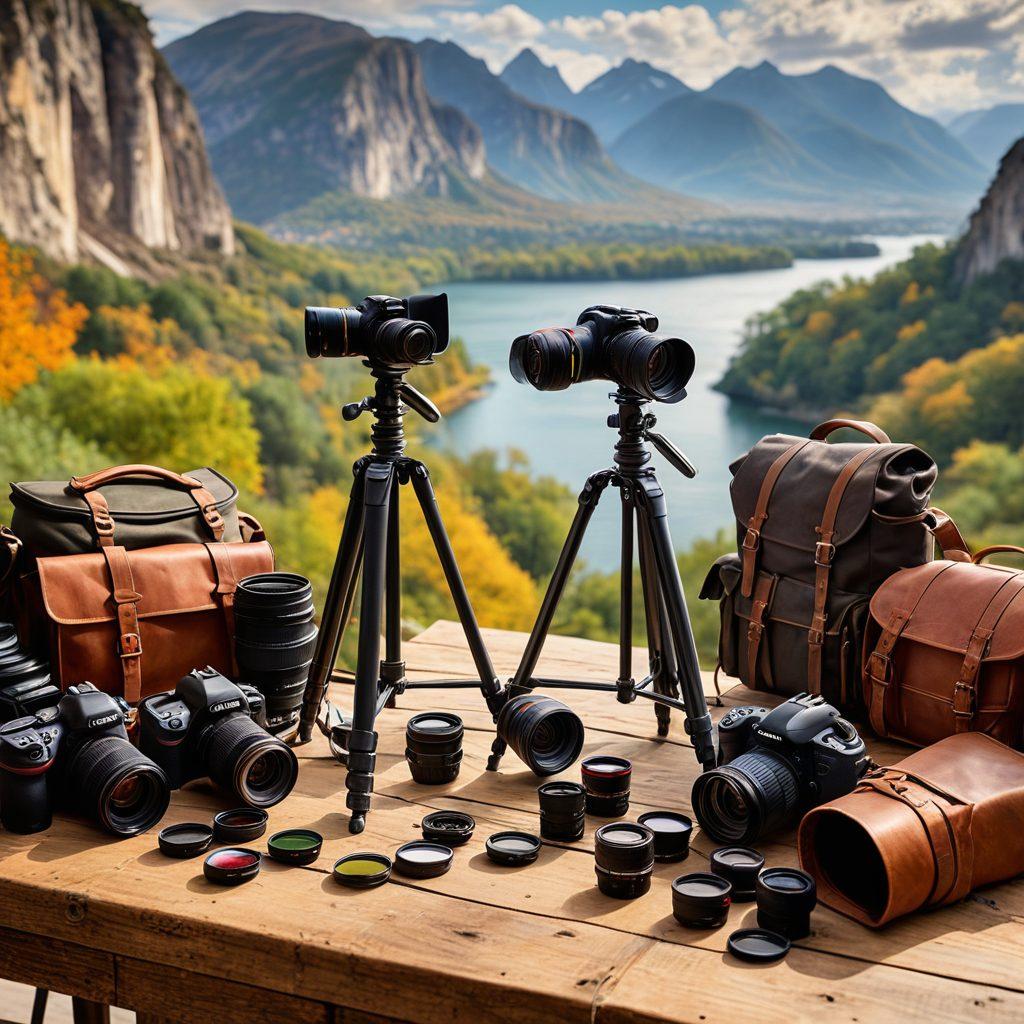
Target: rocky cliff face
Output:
[(296, 106), (100, 148), (996, 231)]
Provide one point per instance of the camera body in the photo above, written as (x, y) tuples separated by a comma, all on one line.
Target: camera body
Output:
[(212, 727), (773, 764), (614, 343), (383, 329), (78, 755)]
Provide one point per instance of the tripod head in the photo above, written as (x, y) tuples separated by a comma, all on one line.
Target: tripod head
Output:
[(634, 424)]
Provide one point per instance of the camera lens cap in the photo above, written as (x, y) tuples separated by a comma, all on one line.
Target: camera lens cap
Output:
[(513, 849), (741, 866), (188, 839), (362, 870), (758, 945), (232, 866), (242, 825), (297, 846), (421, 859), (453, 828)]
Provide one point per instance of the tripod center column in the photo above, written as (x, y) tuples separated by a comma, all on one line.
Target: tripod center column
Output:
[(387, 433)]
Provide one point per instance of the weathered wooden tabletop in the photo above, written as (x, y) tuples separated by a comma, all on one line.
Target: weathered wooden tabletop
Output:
[(116, 922)]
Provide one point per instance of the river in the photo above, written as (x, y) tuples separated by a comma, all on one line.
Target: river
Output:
[(564, 432)]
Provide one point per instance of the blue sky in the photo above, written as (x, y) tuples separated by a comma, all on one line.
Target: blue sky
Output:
[(937, 56)]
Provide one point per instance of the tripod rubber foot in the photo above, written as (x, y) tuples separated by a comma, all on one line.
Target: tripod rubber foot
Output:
[(493, 762), (304, 735), (662, 728), (357, 823)]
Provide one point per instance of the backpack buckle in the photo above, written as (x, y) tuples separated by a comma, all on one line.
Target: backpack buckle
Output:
[(824, 552)]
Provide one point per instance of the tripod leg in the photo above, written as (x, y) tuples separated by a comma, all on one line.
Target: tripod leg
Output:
[(362, 745), (625, 680), (698, 721), (337, 606), (659, 635), (392, 668)]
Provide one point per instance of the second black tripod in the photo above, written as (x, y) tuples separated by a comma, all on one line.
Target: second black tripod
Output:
[(674, 679), (370, 537)]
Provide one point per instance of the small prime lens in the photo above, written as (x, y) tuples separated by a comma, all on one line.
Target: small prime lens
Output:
[(607, 780), (246, 760), (624, 859), (433, 747), (562, 811), (404, 341), (741, 866), (701, 900), (671, 834), (751, 796), (545, 734), (785, 899)]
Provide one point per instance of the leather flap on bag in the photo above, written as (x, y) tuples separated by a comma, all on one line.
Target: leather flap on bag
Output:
[(171, 579), (946, 601), (894, 481)]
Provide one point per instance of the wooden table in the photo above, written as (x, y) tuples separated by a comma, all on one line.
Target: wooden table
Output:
[(117, 923)]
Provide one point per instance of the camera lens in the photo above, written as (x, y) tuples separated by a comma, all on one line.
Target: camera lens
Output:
[(747, 798), (274, 640), (562, 811), (607, 783), (404, 341), (246, 760), (671, 834), (623, 859), (331, 332), (113, 783), (654, 365), (433, 747), (785, 899), (545, 734), (547, 359), (741, 866), (701, 900)]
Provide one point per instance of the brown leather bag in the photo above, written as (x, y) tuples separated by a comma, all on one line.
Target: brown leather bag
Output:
[(944, 651), (923, 833), (820, 526), (108, 587)]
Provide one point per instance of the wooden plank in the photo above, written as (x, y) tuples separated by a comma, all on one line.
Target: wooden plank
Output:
[(59, 966)]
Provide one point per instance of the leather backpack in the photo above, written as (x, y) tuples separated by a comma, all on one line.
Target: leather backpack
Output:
[(944, 651), (923, 833), (127, 577), (820, 526)]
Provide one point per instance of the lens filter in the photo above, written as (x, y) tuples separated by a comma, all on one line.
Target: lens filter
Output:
[(232, 866), (701, 900), (422, 859), (671, 834), (242, 825), (453, 828), (362, 870), (188, 839), (513, 849), (741, 866), (295, 846), (758, 945)]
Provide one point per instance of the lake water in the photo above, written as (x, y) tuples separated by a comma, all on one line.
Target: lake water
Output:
[(564, 432)]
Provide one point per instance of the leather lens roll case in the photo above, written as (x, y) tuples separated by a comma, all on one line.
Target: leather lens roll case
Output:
[(923, 833)]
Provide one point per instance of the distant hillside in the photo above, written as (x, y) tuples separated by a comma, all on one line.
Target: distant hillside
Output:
[(989, 133), (296, 106), (527, 75), (624, 96), (100, 149)]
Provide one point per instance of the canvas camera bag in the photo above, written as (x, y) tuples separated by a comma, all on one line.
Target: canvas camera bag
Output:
[(820, 526), (127, 577)]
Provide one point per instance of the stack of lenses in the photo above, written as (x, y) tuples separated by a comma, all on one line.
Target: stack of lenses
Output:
[(433, 747), (274, 640), (25, 687), (562, 811), (607, 780), (623, 859)]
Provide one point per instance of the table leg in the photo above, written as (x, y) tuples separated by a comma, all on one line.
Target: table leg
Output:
[(86, 1012)]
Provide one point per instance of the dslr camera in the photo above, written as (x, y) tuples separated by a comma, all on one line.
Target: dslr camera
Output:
[(613, 343), (77, 755), (382, 329), (775, 765), (209, 727)]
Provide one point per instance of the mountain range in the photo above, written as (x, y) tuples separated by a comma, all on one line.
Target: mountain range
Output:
[(989, 133)]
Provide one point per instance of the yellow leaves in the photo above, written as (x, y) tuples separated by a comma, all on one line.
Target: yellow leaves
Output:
[(849, 338), (1012, 316), (37, 326), (908, 332), (820, 323), (911, 294)]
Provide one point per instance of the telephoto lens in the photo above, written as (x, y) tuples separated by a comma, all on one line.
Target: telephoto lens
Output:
[(433, 747), (545, 734), (701, 900), (785, 899), (624, 859), (741, 867), (606, 780), (274, 640), (562, 811)]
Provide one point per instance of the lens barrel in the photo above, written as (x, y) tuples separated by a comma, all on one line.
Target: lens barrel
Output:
[(607, 780), (545, 734), (433, 747), (562, 811), (654, 365), (404, 341), (547, 359), (701, 900), (274, 641), (740, 865), (747, 798), (243, 758), (111, 782), (785, 899), (332, 332), (624, 859)]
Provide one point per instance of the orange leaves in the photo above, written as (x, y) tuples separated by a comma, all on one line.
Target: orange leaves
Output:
[(37, 326)]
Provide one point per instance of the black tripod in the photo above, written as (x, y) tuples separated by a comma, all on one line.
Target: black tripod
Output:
[(370, 536), (674, 679)]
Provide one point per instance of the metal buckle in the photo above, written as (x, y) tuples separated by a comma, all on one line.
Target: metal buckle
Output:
[(826, 561), (130, 645), (752, 539), (755, 630), (962, 687), (886, 662), (816, 637), (104, 525), (212, 514)]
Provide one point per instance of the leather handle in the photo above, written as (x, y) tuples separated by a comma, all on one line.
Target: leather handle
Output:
[(994, 549), (83, 484), (822, 430), (947, 533)]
